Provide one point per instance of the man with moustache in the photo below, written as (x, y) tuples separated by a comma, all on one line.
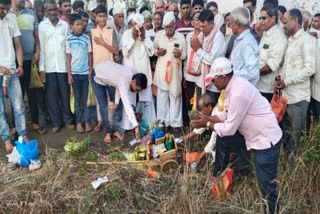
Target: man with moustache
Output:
[(53, 70), (247, 111), (65, 7), (298, 67), (170, 47)]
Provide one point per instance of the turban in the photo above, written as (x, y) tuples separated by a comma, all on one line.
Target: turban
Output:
[(168, 18)]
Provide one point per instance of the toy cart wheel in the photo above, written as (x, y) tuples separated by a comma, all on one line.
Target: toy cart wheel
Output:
[(169, 166)]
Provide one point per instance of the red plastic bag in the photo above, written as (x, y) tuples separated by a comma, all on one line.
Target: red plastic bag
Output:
[(278, 105)]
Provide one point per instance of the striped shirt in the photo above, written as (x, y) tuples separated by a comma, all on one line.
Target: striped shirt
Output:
[(28, 24), (183, 28), (79, 46)]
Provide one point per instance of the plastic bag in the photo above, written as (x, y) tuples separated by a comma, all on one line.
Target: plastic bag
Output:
[(72, 108), (35, 80), (28, 151), (91, 96), (278, 105), (14, 156)]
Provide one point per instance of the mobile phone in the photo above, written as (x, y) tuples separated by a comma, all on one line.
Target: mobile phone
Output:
[(176, 45)]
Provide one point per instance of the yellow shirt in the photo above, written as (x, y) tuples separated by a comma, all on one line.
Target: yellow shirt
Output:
[(100, 53)]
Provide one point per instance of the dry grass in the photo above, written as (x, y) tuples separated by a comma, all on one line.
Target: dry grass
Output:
[(63, 185)]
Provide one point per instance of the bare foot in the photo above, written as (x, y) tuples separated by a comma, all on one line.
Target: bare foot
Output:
[(79, 128), (118, 135), (97, 128), (107, 138), (88, 127), (9, 147)]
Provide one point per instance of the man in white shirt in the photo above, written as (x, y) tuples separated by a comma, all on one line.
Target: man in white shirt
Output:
[(209, 45), (170, 47), (298, 67), (125, 81), (52, 35), (315, 84), (9, 39), (272, 47), (137, 47)]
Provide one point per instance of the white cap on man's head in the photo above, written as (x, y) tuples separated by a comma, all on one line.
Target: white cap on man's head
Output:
[(117, 10), (168, 18), (220, 66), (92, 5), (138, 19)]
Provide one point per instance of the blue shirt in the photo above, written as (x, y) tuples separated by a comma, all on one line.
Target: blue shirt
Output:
[(79, 46), (245, 57)]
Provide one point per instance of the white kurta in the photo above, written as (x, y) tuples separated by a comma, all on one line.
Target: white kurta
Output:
[(315, 83), (136, 57), (169, 99)]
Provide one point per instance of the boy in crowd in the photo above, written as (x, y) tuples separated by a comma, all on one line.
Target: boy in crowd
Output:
[(105, 45), (79, 66), (85, 21), (78, 6)]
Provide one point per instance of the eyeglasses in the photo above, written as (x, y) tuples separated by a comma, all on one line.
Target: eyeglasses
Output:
[(263, 18)]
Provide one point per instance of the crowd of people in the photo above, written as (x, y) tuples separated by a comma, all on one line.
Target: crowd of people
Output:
[(157, 61)]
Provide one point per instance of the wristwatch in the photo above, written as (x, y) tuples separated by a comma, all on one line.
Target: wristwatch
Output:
[(208, 125)]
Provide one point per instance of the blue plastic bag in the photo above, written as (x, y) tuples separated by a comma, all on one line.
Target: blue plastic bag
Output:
[(157, 133), (28, 151)]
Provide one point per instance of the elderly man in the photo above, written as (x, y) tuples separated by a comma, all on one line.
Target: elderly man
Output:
[(119, 27), (245, 52), (218, 18), (306, 20), (137, 48), (175, 9), (159, 6), (298, 67), (184, 25), (246, 110), (123, 79), (272, 47), (53, 33), (170, 47)]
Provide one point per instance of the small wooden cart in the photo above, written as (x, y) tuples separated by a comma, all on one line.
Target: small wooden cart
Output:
[(167, 161)]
